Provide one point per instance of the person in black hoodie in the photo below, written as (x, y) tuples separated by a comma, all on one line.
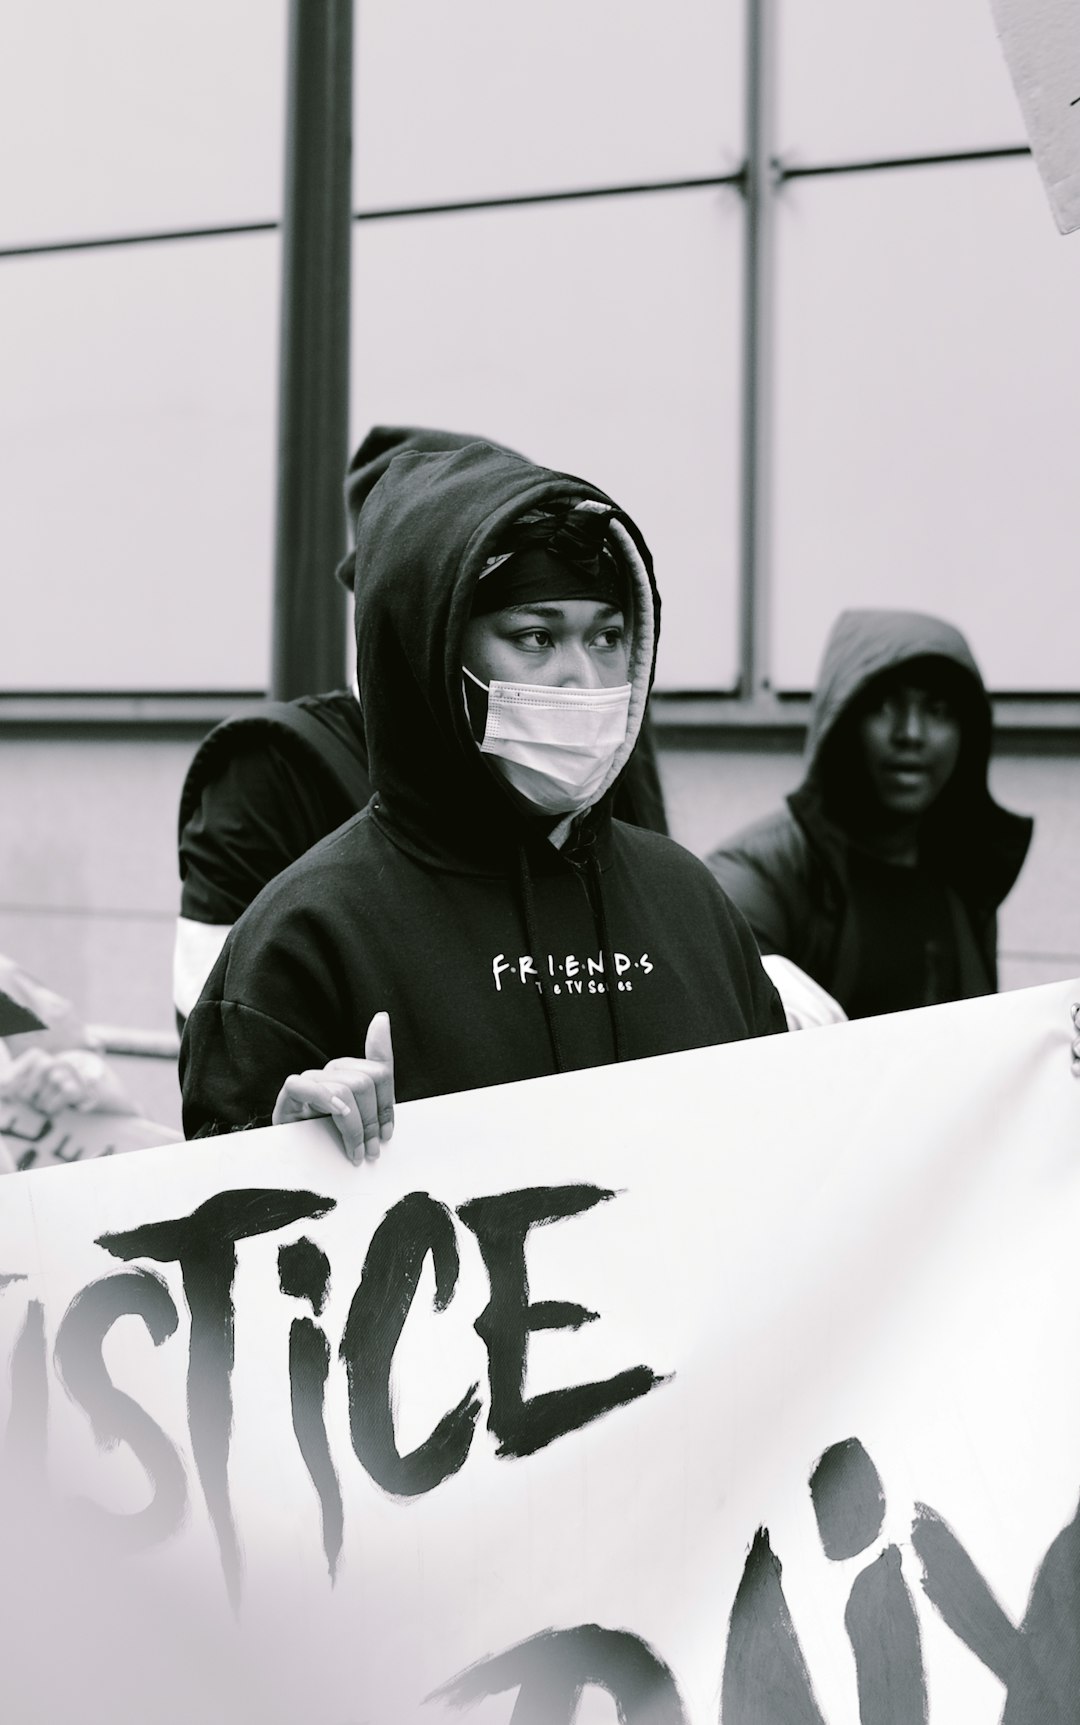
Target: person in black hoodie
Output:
[(881, 876), (264, 787), (485, 900)]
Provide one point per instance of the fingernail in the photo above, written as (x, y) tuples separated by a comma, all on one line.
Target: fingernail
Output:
[(338, 1105), (386, 1131), (371, 1149)]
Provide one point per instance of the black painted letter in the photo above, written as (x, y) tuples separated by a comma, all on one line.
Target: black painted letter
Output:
[(304, 1272), (204, 1245), (407, 1233), (501, 1225), (26, 1437), (765, 1677), (551, 1670), (114, 1416)]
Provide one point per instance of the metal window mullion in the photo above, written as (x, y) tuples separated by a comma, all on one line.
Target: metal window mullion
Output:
[(313, 391), (759, 192)]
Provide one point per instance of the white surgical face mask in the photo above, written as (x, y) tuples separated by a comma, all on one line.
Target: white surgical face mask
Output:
[(555, 746)]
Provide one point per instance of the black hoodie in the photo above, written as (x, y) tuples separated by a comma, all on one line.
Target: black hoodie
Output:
[(791, 874), (265, 786), (497, 955)]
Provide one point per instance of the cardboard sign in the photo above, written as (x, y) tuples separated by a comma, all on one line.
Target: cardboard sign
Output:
[(30, 1139), (15, 1018), (1041, 39), (736, 1385)]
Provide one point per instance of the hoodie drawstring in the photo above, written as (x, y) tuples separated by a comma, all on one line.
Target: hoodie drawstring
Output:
[(606, 949), (596, 899), (528, 904)]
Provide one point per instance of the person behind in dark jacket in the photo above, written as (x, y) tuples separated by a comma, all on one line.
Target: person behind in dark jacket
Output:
[(881, 876), (264, 787), (485, 904)]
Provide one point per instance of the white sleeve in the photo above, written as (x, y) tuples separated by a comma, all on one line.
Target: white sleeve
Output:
[(194, 956), (807, 1005)]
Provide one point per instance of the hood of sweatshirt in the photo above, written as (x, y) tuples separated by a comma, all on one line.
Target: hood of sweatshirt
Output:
[(426, 531), (374, 456), (970, 840)]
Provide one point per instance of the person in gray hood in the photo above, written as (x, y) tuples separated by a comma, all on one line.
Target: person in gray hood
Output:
[(265, 786), (881, 876), (488, 904)]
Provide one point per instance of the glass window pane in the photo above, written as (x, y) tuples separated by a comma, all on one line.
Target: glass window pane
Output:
[(480, 98), (122, 116), (865, 78), (597, 338), (927, 422), (137, 429)]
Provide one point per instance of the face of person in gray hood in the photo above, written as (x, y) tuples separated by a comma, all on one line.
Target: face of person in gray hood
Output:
[(562, 644), (909, 735), (900, 737)]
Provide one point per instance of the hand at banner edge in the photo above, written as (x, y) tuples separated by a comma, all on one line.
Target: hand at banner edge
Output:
[(358, 1095)]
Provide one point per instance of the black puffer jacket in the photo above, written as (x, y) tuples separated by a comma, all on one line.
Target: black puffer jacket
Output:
[(790, 872)]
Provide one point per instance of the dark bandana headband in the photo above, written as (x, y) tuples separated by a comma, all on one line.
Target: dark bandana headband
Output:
[(533, 576)]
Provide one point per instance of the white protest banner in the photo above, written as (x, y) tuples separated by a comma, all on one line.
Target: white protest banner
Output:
[(736, 1385), (1041, 40)]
